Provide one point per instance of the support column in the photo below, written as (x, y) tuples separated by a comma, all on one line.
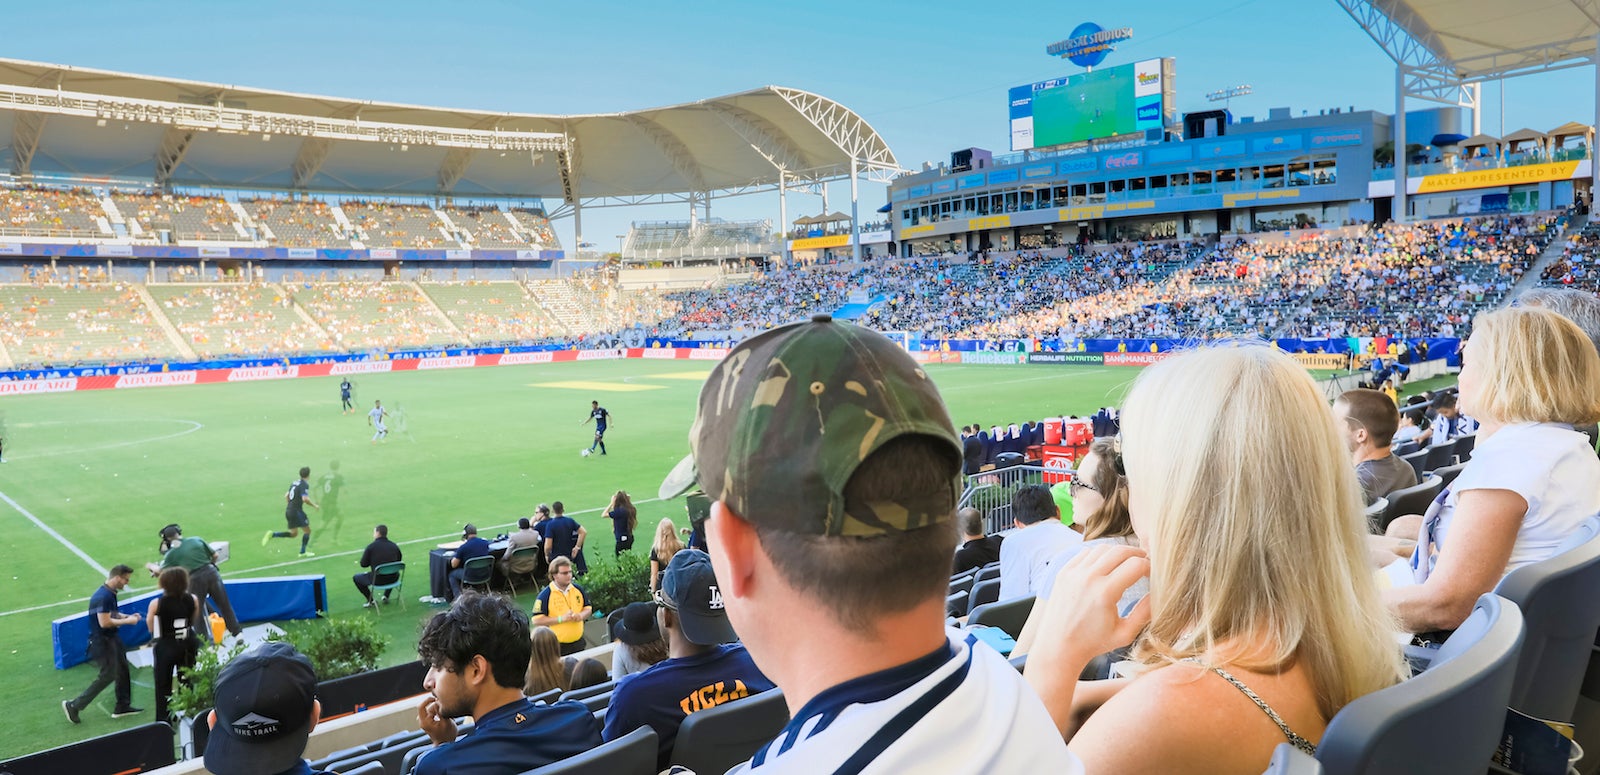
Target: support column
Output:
[(577, 226), (1477, 108), (1399, 206), (855, 220), (783, 213), (1594, 162)]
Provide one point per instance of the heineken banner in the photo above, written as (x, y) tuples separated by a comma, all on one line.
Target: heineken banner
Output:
[(1075, 359)]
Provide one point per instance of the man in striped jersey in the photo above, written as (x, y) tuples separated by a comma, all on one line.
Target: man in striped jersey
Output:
[(834, 471)]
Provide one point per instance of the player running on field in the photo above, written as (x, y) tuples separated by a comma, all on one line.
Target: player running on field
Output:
[(602, 420), (344, 397), (297, 498), (375, 419)]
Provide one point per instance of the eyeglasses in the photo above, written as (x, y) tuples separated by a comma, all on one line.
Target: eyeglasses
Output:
[(661, 601), (1079, 484)]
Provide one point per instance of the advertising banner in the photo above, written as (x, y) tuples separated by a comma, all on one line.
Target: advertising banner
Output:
[(708, 353), (125, 251), (384, 253), (206, 251), (1135, 359), (361, 367), (1508, 176), (301, 252), (1076, 359), (1323, 360), (10, 249), (263, 372), (993, 358), (18, 387), (518, 359), (1058, 463)]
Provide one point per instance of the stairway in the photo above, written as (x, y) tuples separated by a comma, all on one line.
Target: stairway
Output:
[(173, 335), (556, 299), (1551, 252), (433, 305), (6, 364), (294, 303)]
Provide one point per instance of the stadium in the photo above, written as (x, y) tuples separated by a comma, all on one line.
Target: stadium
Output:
[(206, 288)]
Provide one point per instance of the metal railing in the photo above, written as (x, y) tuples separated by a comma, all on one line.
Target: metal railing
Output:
[(990, 492)]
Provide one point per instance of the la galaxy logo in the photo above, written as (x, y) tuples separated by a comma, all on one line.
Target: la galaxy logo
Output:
[(255, 725)]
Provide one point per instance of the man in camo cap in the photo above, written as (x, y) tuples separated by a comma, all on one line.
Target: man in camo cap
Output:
[(833, 473)]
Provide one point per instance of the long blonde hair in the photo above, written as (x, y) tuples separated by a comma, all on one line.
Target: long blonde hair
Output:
[(544, 668), (1255, 539), (667, 542), (1532, 365)]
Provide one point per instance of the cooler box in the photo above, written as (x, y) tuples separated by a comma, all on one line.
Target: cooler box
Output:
[(1077, 433), (1052, 431), (1058, 463)]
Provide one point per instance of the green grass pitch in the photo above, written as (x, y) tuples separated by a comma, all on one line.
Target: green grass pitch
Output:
[(1093, 105)]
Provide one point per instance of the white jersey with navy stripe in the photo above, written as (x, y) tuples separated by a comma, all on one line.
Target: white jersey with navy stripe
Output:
[(972, 713)]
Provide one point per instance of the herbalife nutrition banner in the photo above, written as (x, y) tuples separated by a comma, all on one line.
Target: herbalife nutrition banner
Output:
[(1072, 359)]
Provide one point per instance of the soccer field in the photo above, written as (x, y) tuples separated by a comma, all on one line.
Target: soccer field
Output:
[(91, 477)]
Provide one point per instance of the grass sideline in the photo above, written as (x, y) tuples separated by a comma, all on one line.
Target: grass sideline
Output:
[(106, 469)]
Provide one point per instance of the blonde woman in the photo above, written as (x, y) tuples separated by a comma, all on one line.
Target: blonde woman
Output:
[(1528, 376), (1263, 617), (666, 545), (544, 668)]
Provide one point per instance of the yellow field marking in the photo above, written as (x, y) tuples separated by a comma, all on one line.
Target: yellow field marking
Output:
[(698, 376), (614, 387)]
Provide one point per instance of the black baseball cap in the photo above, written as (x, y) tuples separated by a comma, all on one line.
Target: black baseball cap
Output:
[(264, 699), (638, 625), (689, 587)]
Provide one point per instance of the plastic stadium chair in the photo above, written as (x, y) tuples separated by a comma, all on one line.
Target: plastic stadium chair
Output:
[(477, 572), (1375, 514), (1418, 460), (1464, 446), (409, 761), (1289, 760), (1447, 718), (719, 738), (984, 593), (1561, 613), (956, 604), (370, 768), (962, 583), (1439, 456), (1010, 615), (388, 758), (589, 691), (337, 756), (990, 571), (398, 569), (631, 754), (1411, 500), (1448, 474), (547, 697)]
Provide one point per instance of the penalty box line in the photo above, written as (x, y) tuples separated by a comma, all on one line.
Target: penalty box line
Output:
[(53, 534)]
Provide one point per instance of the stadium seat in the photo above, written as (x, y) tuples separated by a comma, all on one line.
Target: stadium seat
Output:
[(409, 761), (719, 738), (1405, 448), (984, 593), (595, 702), (1439, 456), (1289, 760), (397, 568), (1464, 447), (1418, 461), (1448, 474), (1010, 615), (990, 571), (631, 754), (1375, 513), (1411, 500), (956, 604), (547, 697), (388, 758), (589, 691), (370, 768), (1446, 719), (962, 583), (478, 571), (341, 755), (1561, 613)]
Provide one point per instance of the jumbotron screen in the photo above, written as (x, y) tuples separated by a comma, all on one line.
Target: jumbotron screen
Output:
[(1121, 100)]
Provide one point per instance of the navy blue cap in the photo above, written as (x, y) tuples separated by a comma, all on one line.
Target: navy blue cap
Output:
[(690, 585)]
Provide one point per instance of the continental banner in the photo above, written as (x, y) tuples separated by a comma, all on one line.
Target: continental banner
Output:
[(1505, 176), (1323, 360), (1074, 359)]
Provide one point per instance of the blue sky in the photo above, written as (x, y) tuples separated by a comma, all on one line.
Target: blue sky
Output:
[(929, 76)]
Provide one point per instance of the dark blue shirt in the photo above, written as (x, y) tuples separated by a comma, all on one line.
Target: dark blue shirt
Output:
[(562, 532), (663, 695), (297, 494), (470, 548), (304, 768), (600, 416), (104, 600), (515, 737)]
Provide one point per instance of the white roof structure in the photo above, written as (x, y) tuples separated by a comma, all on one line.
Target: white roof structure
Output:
[(56, 119)]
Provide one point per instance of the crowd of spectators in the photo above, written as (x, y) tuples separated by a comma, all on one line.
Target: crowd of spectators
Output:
[(1575, 268), (238, 320), (388, 225), (62, 325), (359, 316), (50, 212), (194, 218), (300, 223)]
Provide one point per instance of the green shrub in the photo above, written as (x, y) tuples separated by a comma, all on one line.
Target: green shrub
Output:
[(200, 692), (613, 583), (337, 647)]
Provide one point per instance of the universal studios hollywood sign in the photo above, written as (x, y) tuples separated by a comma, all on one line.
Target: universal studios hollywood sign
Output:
[(1088, 44)]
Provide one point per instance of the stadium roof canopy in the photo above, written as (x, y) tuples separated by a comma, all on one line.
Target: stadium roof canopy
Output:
[(1477, 40), (62, 120)]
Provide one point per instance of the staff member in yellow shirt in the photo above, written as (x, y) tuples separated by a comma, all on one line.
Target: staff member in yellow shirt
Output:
[(563, 607)]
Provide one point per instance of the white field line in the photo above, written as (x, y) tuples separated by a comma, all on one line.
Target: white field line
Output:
[(53, 534), (194, 426)]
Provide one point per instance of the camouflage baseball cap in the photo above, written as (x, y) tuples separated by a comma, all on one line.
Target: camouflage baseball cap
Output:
[(785, 419)]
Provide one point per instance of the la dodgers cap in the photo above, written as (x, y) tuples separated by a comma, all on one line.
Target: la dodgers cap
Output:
[(690, 585), (264, 698), (786, 418)]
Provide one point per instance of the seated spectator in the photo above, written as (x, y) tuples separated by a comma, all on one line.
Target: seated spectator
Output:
[(563, 607), (1583, 309), (471, 547), (1529, 375), (584, 673), (1448, 421), (1253, 544), (836, 581), (1040, 535), (1410, 426), (1100, 497), (638, 639), (977, 549), (545, 671), (1368, 420), (699, 674), (477, 654), (379, 552), (531, 564), (266, 707)]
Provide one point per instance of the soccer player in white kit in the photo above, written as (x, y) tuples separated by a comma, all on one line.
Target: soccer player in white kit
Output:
[(375, 419)]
